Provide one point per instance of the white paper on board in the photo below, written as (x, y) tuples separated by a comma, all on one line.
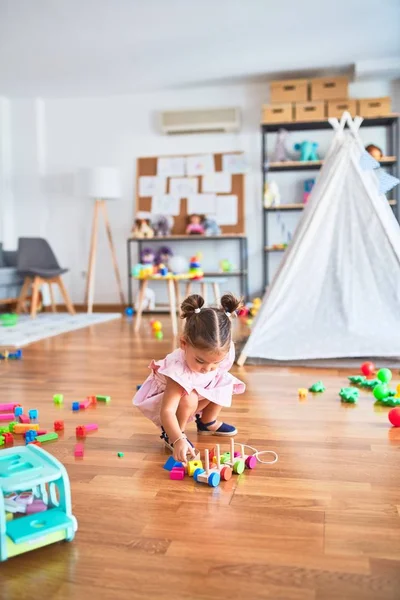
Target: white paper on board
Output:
[(171, 166), (226, 210), (166, 204), (234, 163), (200, 165), (183, 187), (202, 204), (219, 181), (150, 186)]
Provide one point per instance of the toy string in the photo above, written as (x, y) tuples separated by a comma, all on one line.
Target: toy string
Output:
[(258, 453)]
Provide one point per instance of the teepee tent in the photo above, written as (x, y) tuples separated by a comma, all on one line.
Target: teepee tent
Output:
[(337, 291)]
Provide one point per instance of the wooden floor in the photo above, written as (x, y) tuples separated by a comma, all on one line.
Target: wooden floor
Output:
[(321, 524)]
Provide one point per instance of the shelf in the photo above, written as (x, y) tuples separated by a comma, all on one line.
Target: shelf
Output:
[(324, 124), (206, 274), (311, 165), (191, 238), (288, 207), (272, 249)]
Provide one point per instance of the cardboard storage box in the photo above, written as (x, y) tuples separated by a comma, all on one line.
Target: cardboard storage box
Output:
[(277, 113), (329, 88), (291, 90), (374, 107), (335, 108), (309, 111)]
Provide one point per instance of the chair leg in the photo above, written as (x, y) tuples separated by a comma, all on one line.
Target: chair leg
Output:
[(53, 304), (37, 282), (65, 295), (203, 286), (217, 293), (142, 290), (178, 296), (172, 307), (23, 295), (188, 289)]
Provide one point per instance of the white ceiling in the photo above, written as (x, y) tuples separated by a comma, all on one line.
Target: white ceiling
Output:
[(104, 47)]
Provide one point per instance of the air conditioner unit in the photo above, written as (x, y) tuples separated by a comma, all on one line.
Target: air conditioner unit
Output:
[(204, 120)]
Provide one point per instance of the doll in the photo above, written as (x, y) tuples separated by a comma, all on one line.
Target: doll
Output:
[(162, 225), (142, 227), (374, 151), (195, 226), (147, 256)]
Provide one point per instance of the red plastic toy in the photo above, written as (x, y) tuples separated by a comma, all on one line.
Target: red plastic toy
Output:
[(394, 416), (8, 438), (368, 368), (58, 425)]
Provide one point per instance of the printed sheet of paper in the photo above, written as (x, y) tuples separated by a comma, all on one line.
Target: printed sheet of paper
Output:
[(219, 181), (234, 163), (166, 204), (226, 212), (202, 204), (150, 186), (183, 187), (171, 166), (200, 165)]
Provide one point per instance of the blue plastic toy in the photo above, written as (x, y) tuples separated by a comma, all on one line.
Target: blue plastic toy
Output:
[(33, 413), (18, 411), (308, 151), (30, 436), (129, 311), (75, 406), (32, 469)]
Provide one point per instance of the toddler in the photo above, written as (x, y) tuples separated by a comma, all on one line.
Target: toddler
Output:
[(193, 381)]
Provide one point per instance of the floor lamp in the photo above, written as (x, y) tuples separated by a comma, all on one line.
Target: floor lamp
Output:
[(102, 184)]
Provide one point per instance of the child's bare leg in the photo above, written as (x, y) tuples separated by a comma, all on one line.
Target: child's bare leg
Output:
[(187, 407), (210, 413)]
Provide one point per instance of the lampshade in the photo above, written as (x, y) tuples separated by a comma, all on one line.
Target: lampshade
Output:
[(102, 182)]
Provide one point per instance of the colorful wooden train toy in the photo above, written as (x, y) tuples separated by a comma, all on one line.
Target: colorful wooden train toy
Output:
[(216, 467), (33, 481)]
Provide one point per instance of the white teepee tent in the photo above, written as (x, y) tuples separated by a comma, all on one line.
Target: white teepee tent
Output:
[(337, 291)]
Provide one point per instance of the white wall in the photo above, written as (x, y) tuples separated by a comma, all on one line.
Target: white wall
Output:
[(53, 139), (7, 229)]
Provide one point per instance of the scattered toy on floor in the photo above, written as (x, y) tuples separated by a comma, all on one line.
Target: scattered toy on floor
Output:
[(394, 417), (317, 387), (368, 368), (349, 395), (302, 393)]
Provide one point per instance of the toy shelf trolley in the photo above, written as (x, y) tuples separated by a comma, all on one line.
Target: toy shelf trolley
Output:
[(241, 240), (391, 125), (31, 469)]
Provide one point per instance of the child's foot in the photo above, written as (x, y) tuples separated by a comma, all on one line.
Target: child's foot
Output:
[(167, 443), (214, 428)]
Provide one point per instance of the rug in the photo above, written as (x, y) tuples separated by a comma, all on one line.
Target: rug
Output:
[(48, 325)]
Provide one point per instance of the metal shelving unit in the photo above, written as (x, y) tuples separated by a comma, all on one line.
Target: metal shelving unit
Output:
[(391, 124), (242, 273)]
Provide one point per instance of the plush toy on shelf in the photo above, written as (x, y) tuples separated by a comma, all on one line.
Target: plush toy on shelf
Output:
[(308, 185), (142, 227), (272, 196), (308, 151), (163, 256), (195, 270), (211, 227), (374, 151), (162, 225), (280, 153), (195, 226), (147, 256)]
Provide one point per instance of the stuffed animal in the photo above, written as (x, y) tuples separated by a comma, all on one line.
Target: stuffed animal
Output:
[(272, 196), (142, 227), (211, 226), (308, 151), (162, 225), (147, 256), (280, 154), (163, 255), (195, 226)]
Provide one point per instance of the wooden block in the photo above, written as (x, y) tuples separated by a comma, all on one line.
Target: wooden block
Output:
[(177, 473), (329, 88), (309, 111), (277, 113), (374, 107), (335, 108), (290, 90)]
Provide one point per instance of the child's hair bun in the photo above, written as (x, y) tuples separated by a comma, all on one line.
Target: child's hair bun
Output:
[(190, 305), (230, 303)]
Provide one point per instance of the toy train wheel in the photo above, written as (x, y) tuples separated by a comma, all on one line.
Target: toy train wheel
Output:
[(238, 467), (197, 473), (214, 479), (226, 473), (251, 462)]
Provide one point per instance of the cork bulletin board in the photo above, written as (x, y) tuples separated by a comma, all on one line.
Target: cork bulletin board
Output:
[(148, 167)]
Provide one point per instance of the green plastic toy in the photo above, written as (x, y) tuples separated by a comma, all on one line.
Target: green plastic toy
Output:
[(370, 384), (357, 379), (381, 391), (317, 387), (384, 375), (349, 394), (9, 319)]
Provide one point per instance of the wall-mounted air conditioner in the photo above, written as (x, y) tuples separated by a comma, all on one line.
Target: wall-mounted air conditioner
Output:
[(203, 120)]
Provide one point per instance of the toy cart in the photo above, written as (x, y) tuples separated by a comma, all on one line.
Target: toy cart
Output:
[(30, 468)]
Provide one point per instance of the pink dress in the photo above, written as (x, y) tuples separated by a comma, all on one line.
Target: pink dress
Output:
[(217, 386)]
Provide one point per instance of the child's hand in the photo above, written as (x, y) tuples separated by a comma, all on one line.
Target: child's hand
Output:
[(181, 449)]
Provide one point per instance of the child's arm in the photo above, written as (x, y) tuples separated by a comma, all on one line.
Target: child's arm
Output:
[(169, 406)]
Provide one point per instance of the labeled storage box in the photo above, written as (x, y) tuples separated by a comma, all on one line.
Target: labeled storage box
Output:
[(277, 113), (291, 90), (309, 111), (335, 108), (374, 107), (329, 88)]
